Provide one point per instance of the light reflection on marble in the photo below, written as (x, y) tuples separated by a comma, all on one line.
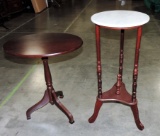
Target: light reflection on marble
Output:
[(120, 18)]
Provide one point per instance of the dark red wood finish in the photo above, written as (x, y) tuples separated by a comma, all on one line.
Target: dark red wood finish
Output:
[(118, 92), (44, 46)]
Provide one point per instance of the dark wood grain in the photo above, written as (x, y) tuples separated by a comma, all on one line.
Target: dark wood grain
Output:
[(42, 45)]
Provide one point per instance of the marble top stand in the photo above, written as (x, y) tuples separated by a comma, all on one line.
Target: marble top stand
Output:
[(119, 20)]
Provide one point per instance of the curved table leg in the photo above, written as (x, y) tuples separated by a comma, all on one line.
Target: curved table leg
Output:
[(50, 96), (96, 111), (136, 117), (63, 109), (40, 104)]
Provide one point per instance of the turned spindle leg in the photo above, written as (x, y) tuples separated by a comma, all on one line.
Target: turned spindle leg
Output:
[(99, 67), (121, 56), (99, 76), (135, 77), (48, 79), (135, 71)]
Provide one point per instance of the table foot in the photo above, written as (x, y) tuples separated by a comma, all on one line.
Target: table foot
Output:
[(134, 109), (44, 101), (96, 111), (71, 122)]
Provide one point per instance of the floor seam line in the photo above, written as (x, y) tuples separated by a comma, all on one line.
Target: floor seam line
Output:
[(77, 16), (9, 96)]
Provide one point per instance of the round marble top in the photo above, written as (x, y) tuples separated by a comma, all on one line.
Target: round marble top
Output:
[(120, 18)]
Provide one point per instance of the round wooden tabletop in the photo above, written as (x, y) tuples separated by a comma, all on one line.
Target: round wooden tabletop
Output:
[(42, 45)]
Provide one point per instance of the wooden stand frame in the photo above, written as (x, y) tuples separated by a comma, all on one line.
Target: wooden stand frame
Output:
[(118, 92)]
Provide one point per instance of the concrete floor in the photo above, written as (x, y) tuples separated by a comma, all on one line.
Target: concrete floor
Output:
[(22, 82)]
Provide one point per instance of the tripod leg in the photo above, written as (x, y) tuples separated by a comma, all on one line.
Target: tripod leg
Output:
[(136, 117), (52, 95), (96, 111), (40, 104), (63, 109)]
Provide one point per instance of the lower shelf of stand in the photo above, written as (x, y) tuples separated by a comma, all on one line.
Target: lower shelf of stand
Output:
[(124, 97)]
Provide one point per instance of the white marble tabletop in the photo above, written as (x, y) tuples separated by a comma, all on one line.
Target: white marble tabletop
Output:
[(120, 18)]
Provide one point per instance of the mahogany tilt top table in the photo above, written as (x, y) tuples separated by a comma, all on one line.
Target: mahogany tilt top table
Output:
[(43, 46), (118, 20)]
